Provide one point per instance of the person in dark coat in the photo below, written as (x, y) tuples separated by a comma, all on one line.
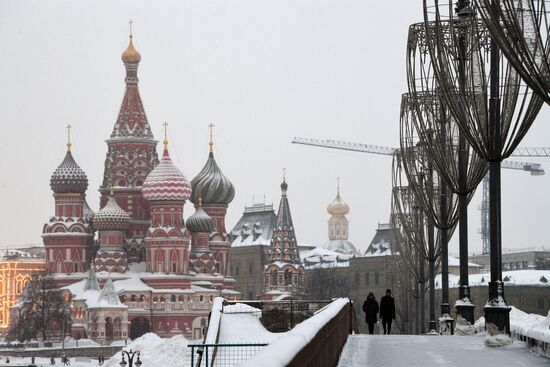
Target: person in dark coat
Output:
[(370, 307), (387, 311)]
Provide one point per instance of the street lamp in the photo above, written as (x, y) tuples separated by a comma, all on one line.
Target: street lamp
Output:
[(130, 355)]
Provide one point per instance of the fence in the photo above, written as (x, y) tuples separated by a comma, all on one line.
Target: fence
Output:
[(226, 355)]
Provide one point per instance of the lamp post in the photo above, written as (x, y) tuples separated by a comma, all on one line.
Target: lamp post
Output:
[(130, 355)]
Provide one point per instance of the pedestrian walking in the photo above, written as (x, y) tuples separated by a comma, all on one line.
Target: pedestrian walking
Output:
[(387, 311), (370, 308)]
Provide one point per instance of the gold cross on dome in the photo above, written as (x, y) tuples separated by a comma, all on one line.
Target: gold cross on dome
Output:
[(131, 22), (284, 174), (165, 124), (211, 141), (69, 126)]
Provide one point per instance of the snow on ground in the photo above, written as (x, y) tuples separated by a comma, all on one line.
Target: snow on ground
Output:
[(240, 323), (426, 350), (155, 352)]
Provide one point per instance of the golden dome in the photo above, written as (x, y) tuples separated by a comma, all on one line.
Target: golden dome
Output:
[(130, 55), (338, 207)]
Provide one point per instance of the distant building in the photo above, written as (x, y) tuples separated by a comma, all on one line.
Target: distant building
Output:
[(16, 268), (520, 259)]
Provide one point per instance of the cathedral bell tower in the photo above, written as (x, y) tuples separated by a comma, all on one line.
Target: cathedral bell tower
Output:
[(131, 156)]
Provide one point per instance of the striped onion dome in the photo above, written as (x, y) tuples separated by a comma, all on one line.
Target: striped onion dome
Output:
[(69, 177), (200, 222), (166, 182), (111, 217), (215, 186)]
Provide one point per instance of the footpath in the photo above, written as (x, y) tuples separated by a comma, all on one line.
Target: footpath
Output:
[(450, 351)]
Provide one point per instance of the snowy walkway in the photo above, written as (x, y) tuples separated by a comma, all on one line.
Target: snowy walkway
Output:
[(413, 350)]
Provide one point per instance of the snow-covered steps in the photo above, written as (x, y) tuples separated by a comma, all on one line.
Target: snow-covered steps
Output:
[(425, 351)]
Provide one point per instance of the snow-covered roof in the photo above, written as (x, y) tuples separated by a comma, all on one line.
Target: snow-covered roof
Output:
[(255, 226), (513, 277), (342, 247), (319, 257), (453, 261), (380, 244)]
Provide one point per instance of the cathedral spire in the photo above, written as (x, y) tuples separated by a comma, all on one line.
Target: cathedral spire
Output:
[(132, 121)]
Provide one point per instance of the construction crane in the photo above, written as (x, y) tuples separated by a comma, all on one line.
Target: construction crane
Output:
[(534, 168)]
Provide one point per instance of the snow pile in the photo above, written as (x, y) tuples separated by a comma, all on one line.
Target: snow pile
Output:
[(495, 338), (463, 327), (479, 325), (155, 351), (282, 350), (242, 308)]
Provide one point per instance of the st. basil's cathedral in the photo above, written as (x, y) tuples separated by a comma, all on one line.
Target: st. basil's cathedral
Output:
[(148, 270)]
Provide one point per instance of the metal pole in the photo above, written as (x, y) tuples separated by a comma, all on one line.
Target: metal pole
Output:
[(417, 301), (496, 310), (431, 276), (444, 237), (464, 306), (421, 275)]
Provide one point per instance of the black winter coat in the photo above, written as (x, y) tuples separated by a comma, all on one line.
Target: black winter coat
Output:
[(387, 308), (370, 307)]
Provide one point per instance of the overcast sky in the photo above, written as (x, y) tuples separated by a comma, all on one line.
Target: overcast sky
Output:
[(262, 71)]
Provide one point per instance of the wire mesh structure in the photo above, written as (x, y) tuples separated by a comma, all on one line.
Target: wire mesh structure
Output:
[(491, 104), (455, 160), (417, 208), (521, 29), (416, 252)]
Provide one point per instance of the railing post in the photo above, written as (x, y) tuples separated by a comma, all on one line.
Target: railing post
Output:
[(192, 356), (291, 316), (206, 347)]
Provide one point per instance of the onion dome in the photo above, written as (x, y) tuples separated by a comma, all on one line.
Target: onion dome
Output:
[(338, 207), (69, 177), (215, 186), (111, 217), (200, 221), (166, 182), (130, 55)]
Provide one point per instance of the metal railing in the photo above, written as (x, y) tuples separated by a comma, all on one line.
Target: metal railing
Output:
[(226, 355)]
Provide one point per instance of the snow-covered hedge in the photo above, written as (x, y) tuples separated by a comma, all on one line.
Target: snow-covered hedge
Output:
[(533, 329)]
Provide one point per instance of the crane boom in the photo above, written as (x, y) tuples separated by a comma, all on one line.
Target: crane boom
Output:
[(534, 168), (344, 145)]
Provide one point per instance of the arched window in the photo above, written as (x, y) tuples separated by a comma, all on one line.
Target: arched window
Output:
[(142, 298), (288, 276), (201, 298), (173, 298), (273, 276), (133, 298), (180, 298)]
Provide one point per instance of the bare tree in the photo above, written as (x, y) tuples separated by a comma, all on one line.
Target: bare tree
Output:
[(42, 309)]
